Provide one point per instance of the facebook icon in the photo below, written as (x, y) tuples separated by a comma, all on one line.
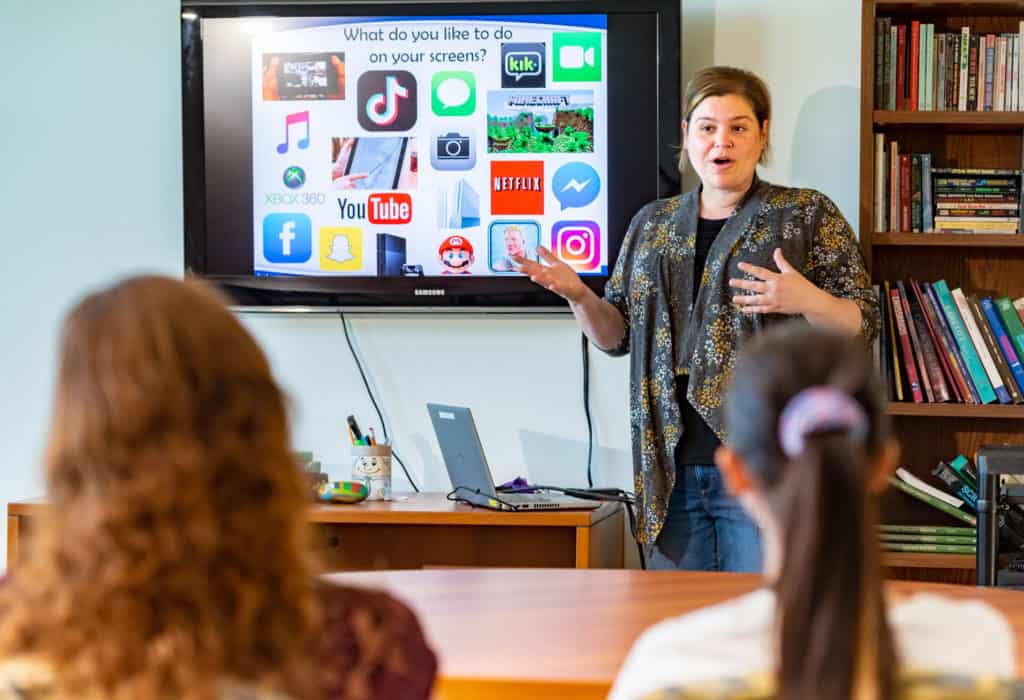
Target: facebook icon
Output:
[(287, 238)]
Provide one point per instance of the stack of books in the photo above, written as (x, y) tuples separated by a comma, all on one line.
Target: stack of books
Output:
[(913, 195), (939, 345), (976, 200), (956, 497), (936, 539)]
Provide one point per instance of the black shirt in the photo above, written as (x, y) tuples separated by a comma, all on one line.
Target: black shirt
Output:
[(698, 443)]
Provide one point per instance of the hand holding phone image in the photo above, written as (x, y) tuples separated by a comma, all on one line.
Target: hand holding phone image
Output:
[(342, 158), (304, 76), (374, 163)]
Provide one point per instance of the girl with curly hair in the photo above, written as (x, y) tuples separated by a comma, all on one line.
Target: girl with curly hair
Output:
[(174, 562)]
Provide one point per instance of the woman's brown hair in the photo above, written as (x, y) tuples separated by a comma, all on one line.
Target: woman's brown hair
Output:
[(834, 640), (717, 81), (173, 557)]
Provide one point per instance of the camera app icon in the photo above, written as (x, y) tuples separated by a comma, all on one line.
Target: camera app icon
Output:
[(453, 149), (578, 243)]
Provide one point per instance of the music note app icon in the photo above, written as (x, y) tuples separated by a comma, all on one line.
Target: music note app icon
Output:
[(297, 119)]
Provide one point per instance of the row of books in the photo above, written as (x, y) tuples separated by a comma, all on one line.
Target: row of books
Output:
[(912, 195), (939, 345), (957, 496), (917, 69)]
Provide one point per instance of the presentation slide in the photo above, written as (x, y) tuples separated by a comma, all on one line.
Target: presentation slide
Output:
[(427, 146)]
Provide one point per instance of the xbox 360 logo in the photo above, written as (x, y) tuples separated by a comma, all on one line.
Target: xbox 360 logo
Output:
[(294, 177)]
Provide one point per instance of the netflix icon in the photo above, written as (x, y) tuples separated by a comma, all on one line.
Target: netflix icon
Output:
[(517, 187)]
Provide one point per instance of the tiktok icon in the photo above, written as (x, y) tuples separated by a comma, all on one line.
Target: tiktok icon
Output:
[(387, 100)]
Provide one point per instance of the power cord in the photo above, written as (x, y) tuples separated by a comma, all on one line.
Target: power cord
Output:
[(586, 407), (383, 425), (627, 499), (452, 496)]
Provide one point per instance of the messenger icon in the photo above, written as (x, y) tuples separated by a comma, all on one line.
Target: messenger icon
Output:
[(575, 185)]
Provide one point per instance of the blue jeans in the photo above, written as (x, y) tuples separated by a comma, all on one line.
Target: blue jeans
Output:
[(706, 529)]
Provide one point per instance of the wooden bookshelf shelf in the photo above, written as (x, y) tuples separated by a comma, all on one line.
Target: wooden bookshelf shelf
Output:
[(980, 264), (986, 120), (955, 410), (949, 240), (923, 560)]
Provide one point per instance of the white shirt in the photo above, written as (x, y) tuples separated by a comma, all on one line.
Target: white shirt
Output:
[(736, 639)]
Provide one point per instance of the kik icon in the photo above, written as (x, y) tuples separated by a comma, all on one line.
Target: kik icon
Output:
[(386, 100), (522, 65)]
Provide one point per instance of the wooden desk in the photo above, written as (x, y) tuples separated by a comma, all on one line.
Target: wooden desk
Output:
[(563, 634), (428, 530)]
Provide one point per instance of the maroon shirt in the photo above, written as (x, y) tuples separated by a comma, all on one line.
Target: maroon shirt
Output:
[(373, 647)]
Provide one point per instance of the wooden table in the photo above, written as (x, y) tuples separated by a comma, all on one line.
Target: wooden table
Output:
[(423, 530), (562, 633)]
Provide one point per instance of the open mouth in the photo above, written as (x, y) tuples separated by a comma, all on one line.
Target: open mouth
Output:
[(722, 161)]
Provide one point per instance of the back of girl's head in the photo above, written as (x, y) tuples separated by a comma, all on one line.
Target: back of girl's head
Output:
[(805, 415), (174, 553)]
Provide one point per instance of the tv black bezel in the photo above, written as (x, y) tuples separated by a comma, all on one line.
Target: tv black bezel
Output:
[(485, 293)]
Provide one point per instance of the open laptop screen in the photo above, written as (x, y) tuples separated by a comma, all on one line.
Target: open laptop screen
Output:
[(462, 452)]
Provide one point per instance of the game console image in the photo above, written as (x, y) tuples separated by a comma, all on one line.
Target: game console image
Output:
[(390, 255)]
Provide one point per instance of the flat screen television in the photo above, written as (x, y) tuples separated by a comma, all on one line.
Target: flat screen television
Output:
[(393, 156)]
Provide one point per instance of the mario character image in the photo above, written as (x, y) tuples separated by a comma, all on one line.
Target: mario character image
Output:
[(456, 256)]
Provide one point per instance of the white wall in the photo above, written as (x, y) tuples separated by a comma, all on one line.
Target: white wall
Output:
[(90, 140)]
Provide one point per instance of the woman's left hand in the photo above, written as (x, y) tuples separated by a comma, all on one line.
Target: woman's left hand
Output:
[(782, 292)]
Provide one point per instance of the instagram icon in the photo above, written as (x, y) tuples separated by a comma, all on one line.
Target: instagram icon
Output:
[(577, 243)]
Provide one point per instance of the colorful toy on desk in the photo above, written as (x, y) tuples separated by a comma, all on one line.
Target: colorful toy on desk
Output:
[(345, 492)]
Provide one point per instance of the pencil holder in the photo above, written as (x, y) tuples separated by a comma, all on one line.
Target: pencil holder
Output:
[(371, 464)]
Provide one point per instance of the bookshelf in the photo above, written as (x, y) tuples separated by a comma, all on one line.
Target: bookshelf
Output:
[(992, 263)]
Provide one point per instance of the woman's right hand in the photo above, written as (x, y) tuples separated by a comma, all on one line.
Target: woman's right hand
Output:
[(556, 276)]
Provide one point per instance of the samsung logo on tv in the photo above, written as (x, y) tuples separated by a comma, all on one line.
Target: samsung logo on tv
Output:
[(428, 292)]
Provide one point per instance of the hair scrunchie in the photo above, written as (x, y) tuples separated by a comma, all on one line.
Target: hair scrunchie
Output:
[(819, 408)]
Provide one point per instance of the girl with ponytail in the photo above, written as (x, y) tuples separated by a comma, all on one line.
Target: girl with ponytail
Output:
[(807, 454)]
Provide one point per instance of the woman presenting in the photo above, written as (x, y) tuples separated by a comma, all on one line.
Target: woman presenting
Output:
[(697, 275)]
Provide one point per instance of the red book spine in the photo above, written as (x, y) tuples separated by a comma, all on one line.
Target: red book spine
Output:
[(908, 354), (915, 58), (922, 367), (904, 192), (901, 66)]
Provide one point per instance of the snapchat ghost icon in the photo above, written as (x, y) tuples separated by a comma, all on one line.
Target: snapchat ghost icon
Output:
[(341, 248)]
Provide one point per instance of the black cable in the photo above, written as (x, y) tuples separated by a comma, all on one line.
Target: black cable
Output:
[(452, 497), (383, 425), (586, 407), (600, 494)]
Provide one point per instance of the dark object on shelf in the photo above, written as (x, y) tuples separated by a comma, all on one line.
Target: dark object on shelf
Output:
[(994, 461)]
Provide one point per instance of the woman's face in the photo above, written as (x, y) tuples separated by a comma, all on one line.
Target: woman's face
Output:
[(724, 142)]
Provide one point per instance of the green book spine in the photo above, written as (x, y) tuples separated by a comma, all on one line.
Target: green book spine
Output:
[(932, 501), (929, 530), (963, 341), (1012, 322), (890, 537), (929, 548)]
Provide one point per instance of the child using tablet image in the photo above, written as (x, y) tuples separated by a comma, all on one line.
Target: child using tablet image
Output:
[(808, 452)]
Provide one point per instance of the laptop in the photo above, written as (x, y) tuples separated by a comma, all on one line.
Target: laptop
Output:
[(471, 478)]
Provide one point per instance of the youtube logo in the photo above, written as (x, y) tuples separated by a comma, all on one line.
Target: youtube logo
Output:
[(390, 208)]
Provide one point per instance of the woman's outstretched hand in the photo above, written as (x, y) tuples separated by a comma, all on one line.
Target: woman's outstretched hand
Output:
[(556, 276)]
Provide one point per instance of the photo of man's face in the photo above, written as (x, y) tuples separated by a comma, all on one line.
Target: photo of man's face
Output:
[(515, 243)]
